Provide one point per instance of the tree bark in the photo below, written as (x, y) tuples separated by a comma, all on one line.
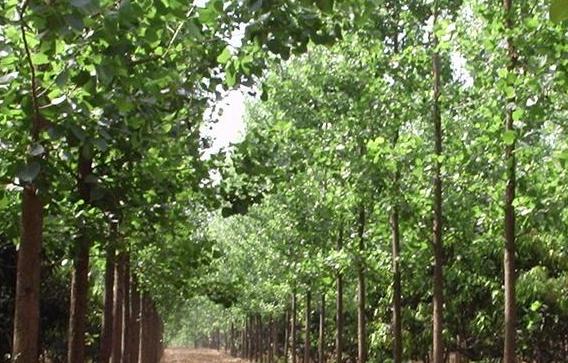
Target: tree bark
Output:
[(361, 318), (118, 306), (321, 339), (126, 322), (293, 329), (286, 335), (147, 331), (509, 350), (26, 317), (80, 275), (397, 287), (307, 327), (106, 334), (339, 306), (437, 242), (26, 313), (134, 330)]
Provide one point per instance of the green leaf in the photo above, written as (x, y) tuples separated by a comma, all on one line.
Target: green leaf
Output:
[(509, 137), (225, 55), (559, 10), (325, 5), (167, 127), (40, 58), (518, 114), (29, 172), (535, 306), (100, 144)]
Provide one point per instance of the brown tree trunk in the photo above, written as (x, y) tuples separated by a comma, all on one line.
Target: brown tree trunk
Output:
[(26, 314), (26, 318), (361, 318), (118, 307), (307, 328), (106, 334), (339, 306), (509, 350), (259, 339), (287, 335), (293, 329), (397, 287), (437, 242), (134, 318), (80, 276), (146, 330), (126, 311), (321, 339), (271, 340), (244, 349)]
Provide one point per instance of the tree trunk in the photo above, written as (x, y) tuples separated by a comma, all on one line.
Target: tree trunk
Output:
[(147, 330), (437, 242), (80, 275), (509, 351), (106, 335), (126, 334), (339, 306), (293, 329), (397, 287), (244, 343), (118, 306), (395, 233), (260, 338), (307, 328), (271, 340), (287, 335), (321, 340), (26, 313), (361, 318), (26, 317), (134, 330)]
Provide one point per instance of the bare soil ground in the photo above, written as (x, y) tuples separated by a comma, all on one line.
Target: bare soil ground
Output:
[(185, 355)]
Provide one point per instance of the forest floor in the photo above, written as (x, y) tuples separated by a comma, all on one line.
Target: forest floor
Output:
[(185, 355)]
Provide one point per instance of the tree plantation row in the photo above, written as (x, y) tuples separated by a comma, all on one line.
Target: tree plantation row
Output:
[(400, 193)]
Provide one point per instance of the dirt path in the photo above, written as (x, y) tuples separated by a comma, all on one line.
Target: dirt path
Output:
[(184, 355)]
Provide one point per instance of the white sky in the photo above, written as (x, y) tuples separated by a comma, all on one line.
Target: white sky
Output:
[(230, 127)]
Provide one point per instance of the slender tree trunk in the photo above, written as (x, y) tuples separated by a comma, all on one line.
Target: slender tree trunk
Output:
[(261, 340), (232, 340), (244, 349), (126, 325), (397, 287), (321, 340), (146, 330), (293, 329), (80, 275), (251, 338), (437, 242), (361, 318), (272, 340), (509, 351), (26, 314), (339, 306), (106, 335), (78, 308), (287, 335), (134, 318), (307, 328), (26, 318), (118, 306)]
